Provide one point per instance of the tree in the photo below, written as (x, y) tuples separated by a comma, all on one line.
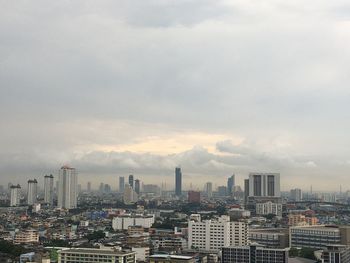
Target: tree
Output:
[(96, 235)]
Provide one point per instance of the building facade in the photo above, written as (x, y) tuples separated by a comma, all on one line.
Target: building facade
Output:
[(296, 194), (268, 208), (67, 188), (230, 184), (91, 255), (264, 185), (48, 189), (32, 192), (178, 181), (254, 254), (215, 234), (124, 222), (15, 192), (121, 184)]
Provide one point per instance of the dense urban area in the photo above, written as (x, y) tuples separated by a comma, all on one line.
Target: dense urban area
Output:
[(64, 221)]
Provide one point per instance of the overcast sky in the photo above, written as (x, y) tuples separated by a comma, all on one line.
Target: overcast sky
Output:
[(216, 86)]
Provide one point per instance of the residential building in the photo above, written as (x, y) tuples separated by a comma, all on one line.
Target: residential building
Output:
[(27, 236), (194, 197), (270, 237), (319, 237), (301, 220), (92, 255), (296, 194), (124, 222), (336, 254), (268, 208), (67, 188), (254, 254), (178, 181), (142, 253), (222, 191), (165, 258), (32, 192), (209, 189), (15, 195), (217, 233), (48, 189), (264, 185)]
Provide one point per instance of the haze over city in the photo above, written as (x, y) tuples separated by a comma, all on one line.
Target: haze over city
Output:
[(217, 87)]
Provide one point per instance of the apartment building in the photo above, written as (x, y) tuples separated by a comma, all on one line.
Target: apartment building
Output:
[(269, 207), (123, 222), (217, 233), (254, 254), (301, 220), (91, 255), (26, 237)]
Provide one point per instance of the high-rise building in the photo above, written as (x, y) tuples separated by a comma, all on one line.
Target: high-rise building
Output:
[(67, 188), (246, 190), (32, 192), (48, 189), (296, 194), (15, 195), (121, 184), (215, 234), (230, 184), (130, 196), (137, 186), (131, 181), (209, 189), (264, 185), (178, 181), (88, 187), (222, 191)]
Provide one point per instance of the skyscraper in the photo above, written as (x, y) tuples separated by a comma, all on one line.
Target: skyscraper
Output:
[(137, 186), (32, 192), (264, 185), (178, 181), (131, 181), (15, 195), (67, 188), (121, 184), (230, 184), (89, 186), (209, 189), (129, 196), (48, 189), (296, 194)]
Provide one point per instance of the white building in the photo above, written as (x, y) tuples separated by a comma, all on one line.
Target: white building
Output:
[(32, 192), (85, 255), (15, 195), (142, 253), (268, 208), (264, 185), (296, 194), (123, 222), (215, 234), (209, 189), (67, 188), (48, 189), (129, 196)]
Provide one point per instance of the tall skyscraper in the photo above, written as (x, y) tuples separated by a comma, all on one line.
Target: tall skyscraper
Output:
[(264, 185), (230, 184), (67, 188), (15, 195), (129, 196), (48, 189), (209, 189), (131, 181), (246, 190), (32, 192), (121, 184), (296, 194), (178, 181), (89, 186), (137, 186)]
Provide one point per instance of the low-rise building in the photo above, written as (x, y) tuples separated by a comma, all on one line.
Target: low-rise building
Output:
[(268, 208), (270, 237), (26, 237), (91, 255), (254, 254), (123, 222), (336, 254), (161, 258)]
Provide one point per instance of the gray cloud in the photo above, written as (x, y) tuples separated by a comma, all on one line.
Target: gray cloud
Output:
[(273, 73)]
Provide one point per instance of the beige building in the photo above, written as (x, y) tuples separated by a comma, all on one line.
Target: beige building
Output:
[(26, 237)]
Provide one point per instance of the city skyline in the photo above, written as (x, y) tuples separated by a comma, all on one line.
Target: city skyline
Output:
[(233, 87)]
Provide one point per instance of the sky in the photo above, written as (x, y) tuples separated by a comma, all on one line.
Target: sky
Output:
[(118, 87)]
